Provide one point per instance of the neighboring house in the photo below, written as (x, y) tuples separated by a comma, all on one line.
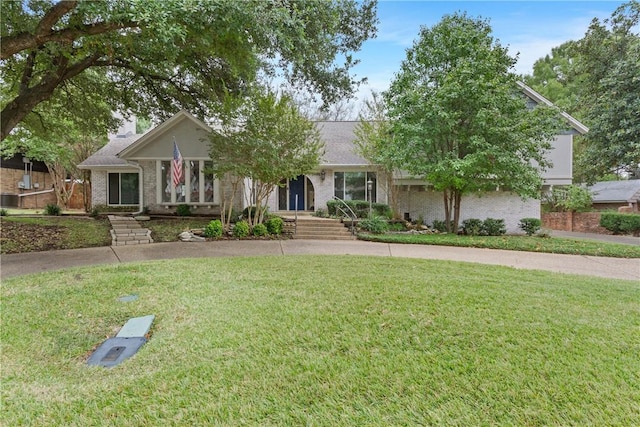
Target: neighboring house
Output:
[(25, 183), (616, 194), (134, 172)]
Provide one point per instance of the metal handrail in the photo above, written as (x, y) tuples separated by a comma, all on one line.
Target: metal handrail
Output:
[(351, 214)]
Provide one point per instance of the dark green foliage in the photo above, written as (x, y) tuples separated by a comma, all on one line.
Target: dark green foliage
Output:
[(375, 225), (52, 209), (4, 212), (213, 229), (274, 225), (472, 227), (439, 225), (250, 211), (241, 229), (359, 207), (260, 230), (397, 226), (494, 227), (530, 225), (183, 210), (621, 223)]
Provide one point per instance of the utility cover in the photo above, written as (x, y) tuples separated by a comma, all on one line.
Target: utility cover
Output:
[(136, 327), (114, 351)]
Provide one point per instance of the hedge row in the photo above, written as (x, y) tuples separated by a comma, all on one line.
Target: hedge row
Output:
[(359, 207), (621, 223)]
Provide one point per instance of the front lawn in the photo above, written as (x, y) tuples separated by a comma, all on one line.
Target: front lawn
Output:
[(553, 245), (313, 340)]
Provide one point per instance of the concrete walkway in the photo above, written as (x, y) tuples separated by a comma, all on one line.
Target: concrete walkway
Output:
[(18, 264)]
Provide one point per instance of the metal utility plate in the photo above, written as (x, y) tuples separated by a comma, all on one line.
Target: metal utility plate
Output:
[(114, 351), (136, 327)]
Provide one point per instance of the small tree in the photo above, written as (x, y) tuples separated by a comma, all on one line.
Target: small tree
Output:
[(266, 140)]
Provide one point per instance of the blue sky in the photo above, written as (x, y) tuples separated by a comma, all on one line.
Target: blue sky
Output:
[(531, 28)]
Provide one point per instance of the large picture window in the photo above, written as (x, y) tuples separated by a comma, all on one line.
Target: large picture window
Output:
[(196, 186), (353, 185), (123, 189)]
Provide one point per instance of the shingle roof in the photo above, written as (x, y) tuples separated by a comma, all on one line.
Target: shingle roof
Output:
[(615, 191), (338, 137), (339, 143), (107, 155)]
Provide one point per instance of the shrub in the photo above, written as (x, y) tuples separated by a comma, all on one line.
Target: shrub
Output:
[(250, 211), (438, 225), (183, 210), (274, 225), (360, 208), (494, 227), (95, 212), (620, 223), (4, 212), (530, 225), (472, 227), (375, 225), (260, 230), (52, 209), (571, 198), (213, 229), (241, 229), (397, 226), (321, 213)]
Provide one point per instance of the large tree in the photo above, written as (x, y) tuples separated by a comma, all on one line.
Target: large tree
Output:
[(609, 60), (162, 55), (458, 119), (265, 139)]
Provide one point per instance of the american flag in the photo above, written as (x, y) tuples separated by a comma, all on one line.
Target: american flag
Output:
[(177, 165)]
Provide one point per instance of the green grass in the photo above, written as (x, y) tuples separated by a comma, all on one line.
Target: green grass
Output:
[(325, 341), (555, 245)]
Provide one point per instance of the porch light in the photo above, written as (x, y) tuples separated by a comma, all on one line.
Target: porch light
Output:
[(323, 174)]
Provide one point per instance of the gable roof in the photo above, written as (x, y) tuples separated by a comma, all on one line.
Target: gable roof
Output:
[(160, 129), (539, 99), (615, 191)]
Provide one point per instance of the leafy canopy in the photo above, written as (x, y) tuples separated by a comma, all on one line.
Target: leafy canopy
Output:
[(157, 56), (265, 139), (459, 120)]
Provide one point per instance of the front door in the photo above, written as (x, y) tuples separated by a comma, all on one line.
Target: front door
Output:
[(296, 192)]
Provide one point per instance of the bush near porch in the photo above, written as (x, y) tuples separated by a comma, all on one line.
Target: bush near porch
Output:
[(360, 208)]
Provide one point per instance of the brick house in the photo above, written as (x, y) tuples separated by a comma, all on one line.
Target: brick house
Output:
[(134, 172)]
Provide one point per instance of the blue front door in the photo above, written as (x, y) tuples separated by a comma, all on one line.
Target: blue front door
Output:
[(296, 190)]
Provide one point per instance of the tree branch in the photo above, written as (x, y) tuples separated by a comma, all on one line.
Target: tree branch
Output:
[(53, 15), (10, 45)]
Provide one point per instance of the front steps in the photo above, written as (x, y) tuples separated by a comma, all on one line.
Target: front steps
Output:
[(127, 231), (321, 229)]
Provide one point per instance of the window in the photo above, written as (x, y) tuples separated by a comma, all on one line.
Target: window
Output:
[(196, 186), (353, 185), (123, 189)]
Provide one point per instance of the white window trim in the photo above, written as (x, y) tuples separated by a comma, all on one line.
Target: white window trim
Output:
[(186, 172)]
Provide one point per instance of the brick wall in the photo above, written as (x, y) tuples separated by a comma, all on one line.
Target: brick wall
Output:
[(583, 222), (499, 205)]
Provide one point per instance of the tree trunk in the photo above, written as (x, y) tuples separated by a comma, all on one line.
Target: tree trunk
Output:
[(457, 196)]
